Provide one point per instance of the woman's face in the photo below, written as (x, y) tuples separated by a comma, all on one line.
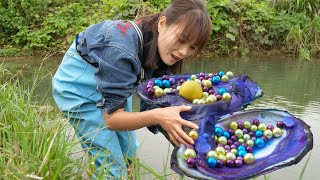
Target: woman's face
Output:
[(172, 45)]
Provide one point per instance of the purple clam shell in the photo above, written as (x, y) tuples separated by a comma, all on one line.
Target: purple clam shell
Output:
[(289, 149)]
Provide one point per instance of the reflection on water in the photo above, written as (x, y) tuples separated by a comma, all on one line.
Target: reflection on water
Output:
[(288, 84)]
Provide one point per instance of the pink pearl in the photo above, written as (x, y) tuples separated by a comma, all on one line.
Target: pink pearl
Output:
[(233, 146), (219, 97), (227, 147)]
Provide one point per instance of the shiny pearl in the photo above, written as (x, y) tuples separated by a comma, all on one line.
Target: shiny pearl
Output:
[(205, 94), (230, 163), (233, 125), (248, 158), (166, 83), (167, 90), (254, 128), (155, 87), (201, 101), (242, 153), (159, 92), (158, 82), (277, 132), (247, 125), (246, 137), (267, 133), (191, 162), (221, 73), (172, 80), (212, 153), (215, 80), (219, 163), (224, 78), (222, 140), (229, 74), (221, 150), (240, 141), (193, 134), (207, 83), (198, 81), (221, 91), (226, 96), (258, 133), (238, 163), (259, 142), (256, 122), (240, 124), (193, 77), (280, 124), (219, 131), (262, 126), (234, 151), (189, 153), (250, 142), (222, 158), (212, 162), (195, 101), (226, 134), (241, 148), (238, 133)]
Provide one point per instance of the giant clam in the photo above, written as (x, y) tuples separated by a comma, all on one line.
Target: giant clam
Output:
[(268, 150)]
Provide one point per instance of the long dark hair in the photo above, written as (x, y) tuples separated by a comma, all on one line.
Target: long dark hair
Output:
[(196, 23)]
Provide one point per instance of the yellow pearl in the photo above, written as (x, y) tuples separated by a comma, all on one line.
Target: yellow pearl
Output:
[(226, 96), (212, 153), (221, 150), (189, 153), (193, 77), (233, 125), (254, 128), (246, 137), (222, 158), (231, 156), (193, 134), (234, 151), (250, 142), (267, 133), (262, 126), (158, 92), (248, 158), (277, 132), (238, 133), (155, 87), (247, 125), (241, 141), (222, 140)]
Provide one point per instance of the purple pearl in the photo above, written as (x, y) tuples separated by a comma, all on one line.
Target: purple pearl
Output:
[(182, 81), (219, 163), (240, 124), (251, 134), (220, 145), (165, 77), (239, 158), (236, 143), (206, 77), (174, 86), (280, 124), (211, 91), (245, 131), (219, 97), (175, 91), (149, 86), (249, 149), (227, 151), (270, 127), (230, 163), (202, 74), (244, 144), (191, 162), (215, 94), (233, 138), (227, 147), (205, 89), (231, 132), (210, 79), (264, 139), (201, 78), (238, 163), (233, 146), (172, 80), (150, 91), (253, 138), (256, 122), (190, 146), (150, 83), (229, 142)]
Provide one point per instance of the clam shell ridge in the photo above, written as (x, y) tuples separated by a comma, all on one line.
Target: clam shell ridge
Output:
[(289, 149)]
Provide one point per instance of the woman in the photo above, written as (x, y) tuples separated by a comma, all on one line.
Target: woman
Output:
[(103, 66)]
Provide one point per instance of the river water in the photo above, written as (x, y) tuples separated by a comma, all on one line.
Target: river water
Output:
[(288, 83)]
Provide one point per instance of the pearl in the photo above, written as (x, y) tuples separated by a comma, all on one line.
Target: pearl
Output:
[(172, 80), (241, 148), (254, 128), (207, 83), (238, 133), (201, 101), (221, 91), (221, 150), (280, 124), (262, 126), (211, 91), (236, 143), (270, 127), (229, 74), (219, 97), (165, 77), (212, 162), (193, 134), (233, 146), (256, 122), (219, 131), (238, 163), (248, 158), (251, 134), (212, 153), (166, 83), (268, 134), (227, 147), (167, 90), (205, 94), (233, 125), (247, 125), (219, 163), (205, 89), (241, 141), (222, 158), (221, 73), (246, 137), (259, 142), (226, 134), (277, 132), (240, 124), (195, 101), (234, 151), (215, 80), (222, 140), (229, 142), (250, 142), (226, 96), (193, 77), (150, 91), (189, 153), (158, 82), (242, 153), (259, 133), (231, 156), (249, 149), (231, 132), (230, 163), (191, 162), (224, 78), (150, 83), (159, 92), (156, 87), (202, 74)]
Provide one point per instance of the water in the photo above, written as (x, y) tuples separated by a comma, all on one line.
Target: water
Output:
[(289, 84)]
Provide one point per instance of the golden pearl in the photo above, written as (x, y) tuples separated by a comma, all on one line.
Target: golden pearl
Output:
[(246, 137), (247, 125), (221, 150), (189, 153), (212, 153), (262, 126), (231, 156), (158, 92), (233, 125), (254, 128), (222, 158), (234, 151), (250, 142), (238, 133), (248, 158), (222, 140), (226, 96), (193, 134), (267, 133), (277, 132)]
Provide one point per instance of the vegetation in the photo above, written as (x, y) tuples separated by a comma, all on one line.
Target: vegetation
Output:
[(239, 26)]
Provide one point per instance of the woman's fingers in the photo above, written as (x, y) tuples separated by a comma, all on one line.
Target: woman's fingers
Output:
[(173, 139), (185, 108), (190, 124), (185, 136), (180, 138)]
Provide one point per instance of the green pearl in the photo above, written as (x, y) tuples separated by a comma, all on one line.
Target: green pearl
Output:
[(247, 125), (246, 137), (262, 126), (238, 133), (250, 142), (240, 140), (233, 125), (254, 128)]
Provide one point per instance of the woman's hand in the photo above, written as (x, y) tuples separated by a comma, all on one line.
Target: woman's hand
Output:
[(170, 120)]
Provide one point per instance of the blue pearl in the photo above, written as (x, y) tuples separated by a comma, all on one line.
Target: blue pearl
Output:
[(226, 134), (212, 162), (259, 142), (222, 91), (218, 131), (166, 83), (158, 82), (242, 153), (241, 148), (221, 73), (215, 80), (189, 79), (259, 133)]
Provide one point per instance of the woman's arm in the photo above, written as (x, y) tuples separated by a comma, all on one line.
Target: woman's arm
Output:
[(168, 118)]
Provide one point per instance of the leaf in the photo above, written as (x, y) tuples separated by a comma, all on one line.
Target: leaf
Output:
[(231, 36)]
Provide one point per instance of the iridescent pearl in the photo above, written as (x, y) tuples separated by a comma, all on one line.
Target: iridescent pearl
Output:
[(238, 163), (280, 124), (212, 153), (226, 134), (242, 153), (236, 143), (254, 128), (258, 133), (178, 88), (211, 91), (210, 75), (172, 80), (233, 146), (222, 157), (224, 78), (219, 97), (270, 127), (155, 87), (158, 92), (150, 91), (234, 138), (259, 142), (238, 133), (193, 134), (166, 83), (251, 134), (221, 150), (248, 158), (234, 151), (191, 162), (193, 77), (215, 80), (249, 149), (247, 125), (277, 132), (221, 91), (262, 126), (150, 83), (222, 140), (182, 81), (229, 74), (221, 73), (230, 163), (233, 125), (219, 163), (264, 139), (226, 96), (195, 101), (189, 153), (158, 82), (205, 89), (267, 133), (201, 101), (231, 156), (253, 138), (198, 81), (149, 86), (207, 83), (250, 142), (245, 131), (229, 142), (227, 147), (219, 131), (205, 94), (231, 132), (256, 122), (241, 148), (246, 137), (241, 141), (212, 162)]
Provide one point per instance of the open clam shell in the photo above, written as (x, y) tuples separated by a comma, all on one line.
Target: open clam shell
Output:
[(288, 149)]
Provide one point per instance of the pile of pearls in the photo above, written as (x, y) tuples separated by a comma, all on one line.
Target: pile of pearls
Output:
[(235, 145), (166, 84)]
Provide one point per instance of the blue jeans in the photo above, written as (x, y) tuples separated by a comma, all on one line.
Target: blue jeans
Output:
[(74, 91)]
